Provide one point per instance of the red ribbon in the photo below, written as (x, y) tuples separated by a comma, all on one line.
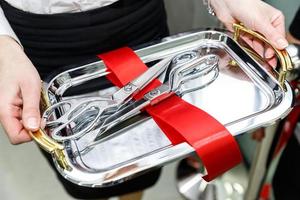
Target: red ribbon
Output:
[(179, 120)]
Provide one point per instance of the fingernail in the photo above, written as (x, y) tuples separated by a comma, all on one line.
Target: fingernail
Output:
[(282, 43), (32, 123)]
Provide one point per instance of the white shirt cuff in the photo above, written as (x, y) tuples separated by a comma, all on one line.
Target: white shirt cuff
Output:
[(5, 28)]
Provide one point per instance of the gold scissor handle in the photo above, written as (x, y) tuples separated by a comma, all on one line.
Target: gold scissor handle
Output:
[(283, 56), (47, 143)]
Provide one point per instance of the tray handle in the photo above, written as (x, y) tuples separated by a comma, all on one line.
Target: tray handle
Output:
[(282, 55), (47, 143)]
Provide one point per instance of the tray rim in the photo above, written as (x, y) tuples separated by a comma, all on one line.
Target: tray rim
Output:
[(287, 100)]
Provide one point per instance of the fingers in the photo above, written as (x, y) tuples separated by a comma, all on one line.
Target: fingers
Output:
[(15, 131), (264, 18), (11, 121), (269, 53), (277, 20), (273, 30), (30, 91), (276, 38), (20, 92), (272, 61), (258, 46)]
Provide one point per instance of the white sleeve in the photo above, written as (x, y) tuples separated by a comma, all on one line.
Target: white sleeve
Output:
[(5, 28)]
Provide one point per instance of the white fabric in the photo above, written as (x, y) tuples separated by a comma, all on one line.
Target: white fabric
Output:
[(5, 28), (49, 7), (58, 6)]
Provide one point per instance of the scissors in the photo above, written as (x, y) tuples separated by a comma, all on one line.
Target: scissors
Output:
[(93, 109), (206, 66)]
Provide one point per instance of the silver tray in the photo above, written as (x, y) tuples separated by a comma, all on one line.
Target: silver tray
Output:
[(242, 98)]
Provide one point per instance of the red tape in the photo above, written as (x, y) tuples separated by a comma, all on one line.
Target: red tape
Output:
[(123, 64), (179, 120), (212, 142)]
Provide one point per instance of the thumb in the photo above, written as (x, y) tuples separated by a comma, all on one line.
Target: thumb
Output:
[(273, 34), (30, 91)]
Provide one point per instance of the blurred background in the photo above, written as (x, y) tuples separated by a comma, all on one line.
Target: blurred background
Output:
[(25, 173)]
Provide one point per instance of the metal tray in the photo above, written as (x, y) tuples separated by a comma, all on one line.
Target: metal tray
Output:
[(242, 98)]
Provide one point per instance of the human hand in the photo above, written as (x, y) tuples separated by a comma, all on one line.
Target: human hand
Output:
[(255, 15), (20, 87)]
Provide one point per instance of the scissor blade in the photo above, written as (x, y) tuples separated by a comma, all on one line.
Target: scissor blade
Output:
[(141, 81), (121, 115), (151, 73)]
